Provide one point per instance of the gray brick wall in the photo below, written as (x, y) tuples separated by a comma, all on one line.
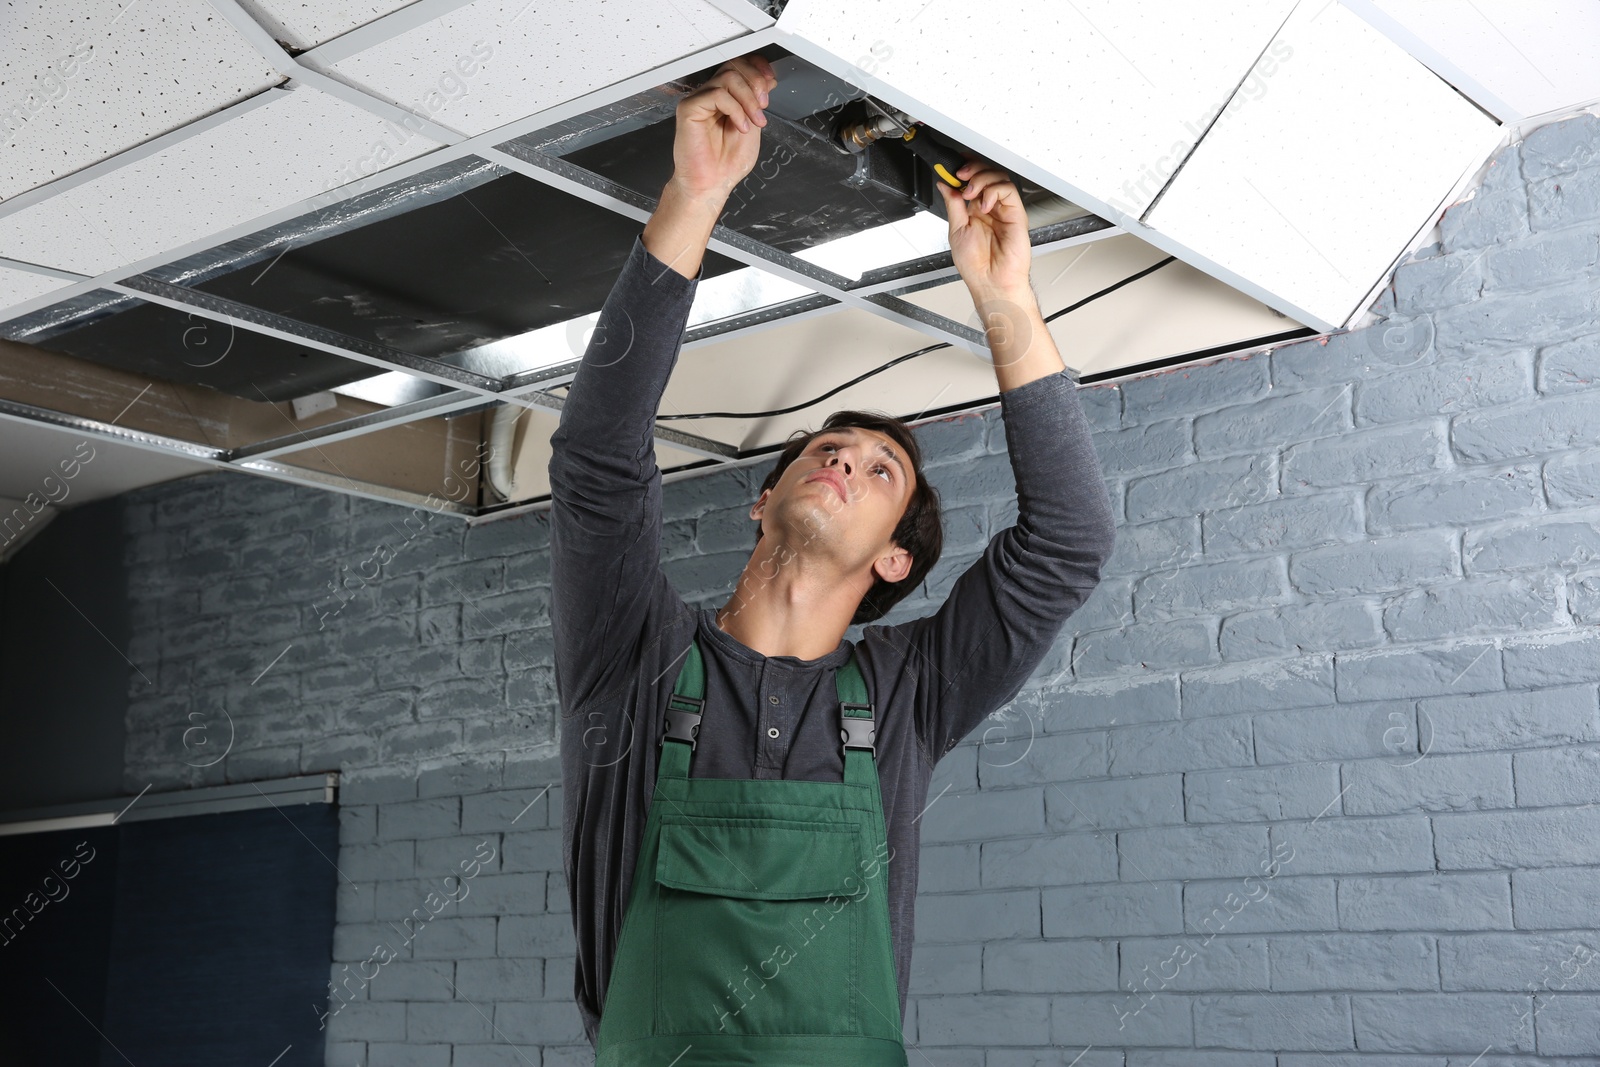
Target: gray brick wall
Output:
[(1312, 780)]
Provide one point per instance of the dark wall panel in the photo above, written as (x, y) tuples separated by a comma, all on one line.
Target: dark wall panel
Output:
[(223, 938), (63, 674)]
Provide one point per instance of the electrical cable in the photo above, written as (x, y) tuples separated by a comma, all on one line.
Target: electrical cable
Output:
[(909, 355)]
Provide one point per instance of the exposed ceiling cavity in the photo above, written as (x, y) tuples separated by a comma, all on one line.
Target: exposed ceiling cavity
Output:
[(354, 244)]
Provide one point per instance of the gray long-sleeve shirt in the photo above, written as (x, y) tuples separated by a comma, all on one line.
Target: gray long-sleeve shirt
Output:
[(621, 631)]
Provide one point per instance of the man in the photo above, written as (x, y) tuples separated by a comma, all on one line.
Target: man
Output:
[(834, 547)]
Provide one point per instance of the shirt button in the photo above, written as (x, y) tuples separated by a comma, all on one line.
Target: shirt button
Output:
[(774, 700), (772, 731)]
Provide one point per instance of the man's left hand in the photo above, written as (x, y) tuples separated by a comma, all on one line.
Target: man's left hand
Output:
[(988, 229)]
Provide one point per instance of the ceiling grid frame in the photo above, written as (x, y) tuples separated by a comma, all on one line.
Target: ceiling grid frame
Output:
[(493, 147)]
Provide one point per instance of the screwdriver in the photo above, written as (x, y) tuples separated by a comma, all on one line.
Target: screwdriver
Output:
[(944, 160)]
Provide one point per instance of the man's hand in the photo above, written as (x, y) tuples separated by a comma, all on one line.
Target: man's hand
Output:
[(990, 247), (717, 142), (988, 230), (719, 136)]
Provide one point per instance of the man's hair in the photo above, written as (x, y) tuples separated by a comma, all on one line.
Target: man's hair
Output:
[(920, 530)]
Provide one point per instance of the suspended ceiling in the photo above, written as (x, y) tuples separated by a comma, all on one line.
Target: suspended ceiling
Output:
[(346, 243)]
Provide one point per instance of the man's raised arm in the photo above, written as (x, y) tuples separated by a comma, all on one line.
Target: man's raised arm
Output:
[(605, 487), (1006, 610)]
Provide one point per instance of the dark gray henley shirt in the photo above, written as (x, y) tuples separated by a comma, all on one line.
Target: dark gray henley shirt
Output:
[(621, 631)]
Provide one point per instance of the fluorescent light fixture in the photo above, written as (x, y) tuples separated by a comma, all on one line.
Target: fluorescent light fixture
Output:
[(734, 293)]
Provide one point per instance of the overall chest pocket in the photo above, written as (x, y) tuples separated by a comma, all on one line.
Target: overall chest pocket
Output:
[(758, 925)]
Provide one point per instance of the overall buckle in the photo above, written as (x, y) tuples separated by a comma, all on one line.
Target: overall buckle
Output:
[(682, 724), (857, 731)]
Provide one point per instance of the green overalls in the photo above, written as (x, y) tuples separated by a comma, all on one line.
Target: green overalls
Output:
[(757, 927)]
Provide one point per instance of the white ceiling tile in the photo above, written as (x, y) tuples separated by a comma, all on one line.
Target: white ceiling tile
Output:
[(299, 143), (495, 61), (17, 286), (1534, 55), (304, 24), (1108, 95), (1315, 187), (81, 81)]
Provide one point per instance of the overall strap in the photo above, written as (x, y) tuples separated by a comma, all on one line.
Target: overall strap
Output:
[(683, 715), (857, 728)]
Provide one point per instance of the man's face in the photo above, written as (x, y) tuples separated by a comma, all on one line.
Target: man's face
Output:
[(842, 497)]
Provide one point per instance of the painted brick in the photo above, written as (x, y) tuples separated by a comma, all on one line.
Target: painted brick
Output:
[(1573, 480), (1123, 1020), (1269, 422), (1485, 219), (1442, 281), (438, 817), (1351, 845), (1553, 716), (1547, 259), (1277, 525), (1468, 667), (1567, 775), (1002, 913), (1569, 366), (1568, 1025), (1548, 837), (937, 969), (1325, 962), (1355, 355), (1558, 659), (1196, 387), (1282, 1021), (1194, 964), (1559, 898), (950, 868), (1520, 962), (1304, 681), (1466, 384), (1477, 607), (1428, 783), (1476, 496), (1561, 147), (1170, 645), (985, 1020), (1564, 200), (1055, 859), (1114, 804), (1204, 588), (1109, 701), (1113, 910), (1519, 319), (1199, 487), (966, 817), (1476, 901), (1050, 966), (1148, 546), (1143, 448), (1039, 759), (1302, 791), (1293, 629), (1283, 902), (1441, 1022), (1156, 747), (1190, 852)]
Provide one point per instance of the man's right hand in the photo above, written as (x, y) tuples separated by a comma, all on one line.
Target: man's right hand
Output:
[(719, 127), (717, 141)]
